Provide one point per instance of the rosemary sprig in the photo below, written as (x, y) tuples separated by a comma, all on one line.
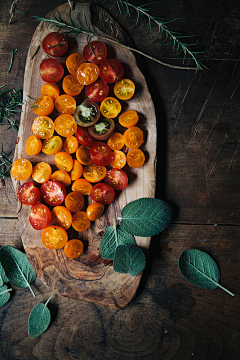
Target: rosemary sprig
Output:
[(5, 164), (10, 103)]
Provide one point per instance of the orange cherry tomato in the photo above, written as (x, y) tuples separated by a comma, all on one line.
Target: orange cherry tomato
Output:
[(33, 145), (41, 172), (128, 118), (83, 186), (65, 104), (65, 125), (43, 105), (115, 142), (110, 107), (124, 89), (70, 145), (62, 177), (133, 137), (61, 216), (63, 161), (77, 170), (95, 211), (54, 237), (21, 169), (74, 61), (49, 89), (71, 85), (43, 127), (87, 73), (94, 173), (73, 248), (83, 155), (74, 201), (119, 159), (80, 221), (135, 158), (52, 146)]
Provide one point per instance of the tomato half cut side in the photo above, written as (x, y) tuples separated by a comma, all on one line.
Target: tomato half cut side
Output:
[(80, 221), (28, 193), (61, 216), (124, 89), (54, 237), (21, 169), (101, 154), (103, 129), (33, 145), (53, 193), (73, 248), (52, 146), (51, 41), (128, 119), (74, 61), (94, 173), (87, 73), (65, 125), (63, 161), (61, 176), (51, 70), (71, 85), (87, 113), (135, 158), (65, 104), (110, 107), (49, 89), (40, 216), (102, 193), (133, 137), (74, 201), (97, 91), (95, 211), (83, 186), (111, 70), (96, 52), (43, 127), (41, 172), (117, 179), (43, 105)]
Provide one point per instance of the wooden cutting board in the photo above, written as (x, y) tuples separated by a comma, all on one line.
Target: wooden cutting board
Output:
[(89, 277)]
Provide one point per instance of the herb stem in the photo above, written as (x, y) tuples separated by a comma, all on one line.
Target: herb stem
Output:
[(25, 280), (35, 52), (13, 52), (223, 288), (49, 298), (115, 230)]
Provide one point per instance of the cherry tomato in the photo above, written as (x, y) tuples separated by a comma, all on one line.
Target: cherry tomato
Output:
[(124, 89), (115, 142), (61, 216), (40, 216), (101, 154), (128, 118), (82, 185), (53, 193), (63, 161), (74, 61), (102, 193), (95, 211), (65, 104), (28, 194), (43, 127), (117, 179), (135, 158), (80, 221), (87, 113), (94, 173), (77, 170), (54, 237), (65, 125), (83, 155), (110, 107), (43, 105), (111, 70), (51, 40), (51, 70), (70, 145), (71, 85), (102, 130), (119, 159), (96, 52), (33, 145), (83, 136), (41, 172), (52, 146), (87, 73), (21, 169), (97, 91), (74, 201), (133, 137), (73, 248), (49, 89), (62, 177)]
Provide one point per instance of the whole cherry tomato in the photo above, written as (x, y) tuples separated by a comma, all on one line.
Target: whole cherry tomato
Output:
[(96, 52), (28, 193), (51, 40), (40, 216)]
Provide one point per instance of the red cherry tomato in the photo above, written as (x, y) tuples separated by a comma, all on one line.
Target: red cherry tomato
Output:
[(28, 194), (97, 91), (53, 193), (117, 178), (102, 193), (40, 216), (96, 53), (83, 136), (101, 154), (51, 70), (51, 40), (111, 71)]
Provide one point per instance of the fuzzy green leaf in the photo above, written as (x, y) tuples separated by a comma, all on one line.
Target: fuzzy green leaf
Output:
[(39, 320), (17, 267), (4, 295), (3, 277), (109, 242), (129, 259), (146, 217)]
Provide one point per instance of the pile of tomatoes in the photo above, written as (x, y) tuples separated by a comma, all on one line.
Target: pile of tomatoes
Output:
[(100, 155)]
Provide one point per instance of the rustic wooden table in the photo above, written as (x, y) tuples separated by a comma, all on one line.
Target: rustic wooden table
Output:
[(197, 173)]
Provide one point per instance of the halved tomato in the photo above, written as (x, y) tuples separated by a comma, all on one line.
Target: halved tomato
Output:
[(133, 137), (115, 142), (74, 61), (42, 172), (87, 73), (65, 125), (74, 201), (103, 129), (95, 211), (101, 154), (83, 136), (43, 105), (73, 248), (51, 70), (62, 177), (128, 119), (33, 145), (53, 193), (117, 179), (70, 145), (124, 89), (21, 169), (111, 70), (97, 91), (83, 155), (94, 173), (76, 171), (49, 89), (43, 127), (87, 113), (28, 193), (55, 44), (40, 216), (65, 104), (52, 146), (54, 237), (80, 221), (82, 185), (62, 217), (71, 85), (102, 193), (63, 161), (96, 52), (110, 107)]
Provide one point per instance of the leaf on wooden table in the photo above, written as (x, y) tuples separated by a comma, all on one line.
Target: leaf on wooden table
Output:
[(4, 295), (129, 259), (146, 217), (3, 277)]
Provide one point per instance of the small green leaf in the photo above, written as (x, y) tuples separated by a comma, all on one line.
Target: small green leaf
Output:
[(109, 242), (4, 295), (146, 217), (129, 259), (39, 320), (3, 277)]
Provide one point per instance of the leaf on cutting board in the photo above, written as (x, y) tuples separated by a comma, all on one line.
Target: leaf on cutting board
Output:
[(200, 269), (17, 267), (146, 217), (4, 295), (3, 277), (129, 259)]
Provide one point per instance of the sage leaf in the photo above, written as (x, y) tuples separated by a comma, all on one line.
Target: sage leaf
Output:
[(200, 269), (3, 277), (129, 259), (4, 295), (146, 217), (109, 241), (17, 267)]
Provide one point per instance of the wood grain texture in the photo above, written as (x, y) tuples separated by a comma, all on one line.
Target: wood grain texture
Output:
[(89, 277)]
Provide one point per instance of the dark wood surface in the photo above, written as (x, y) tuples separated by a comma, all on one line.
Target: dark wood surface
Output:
[(198, 174)]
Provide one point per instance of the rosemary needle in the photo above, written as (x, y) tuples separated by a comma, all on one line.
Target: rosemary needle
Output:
[(13, 52), (36, 52)]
